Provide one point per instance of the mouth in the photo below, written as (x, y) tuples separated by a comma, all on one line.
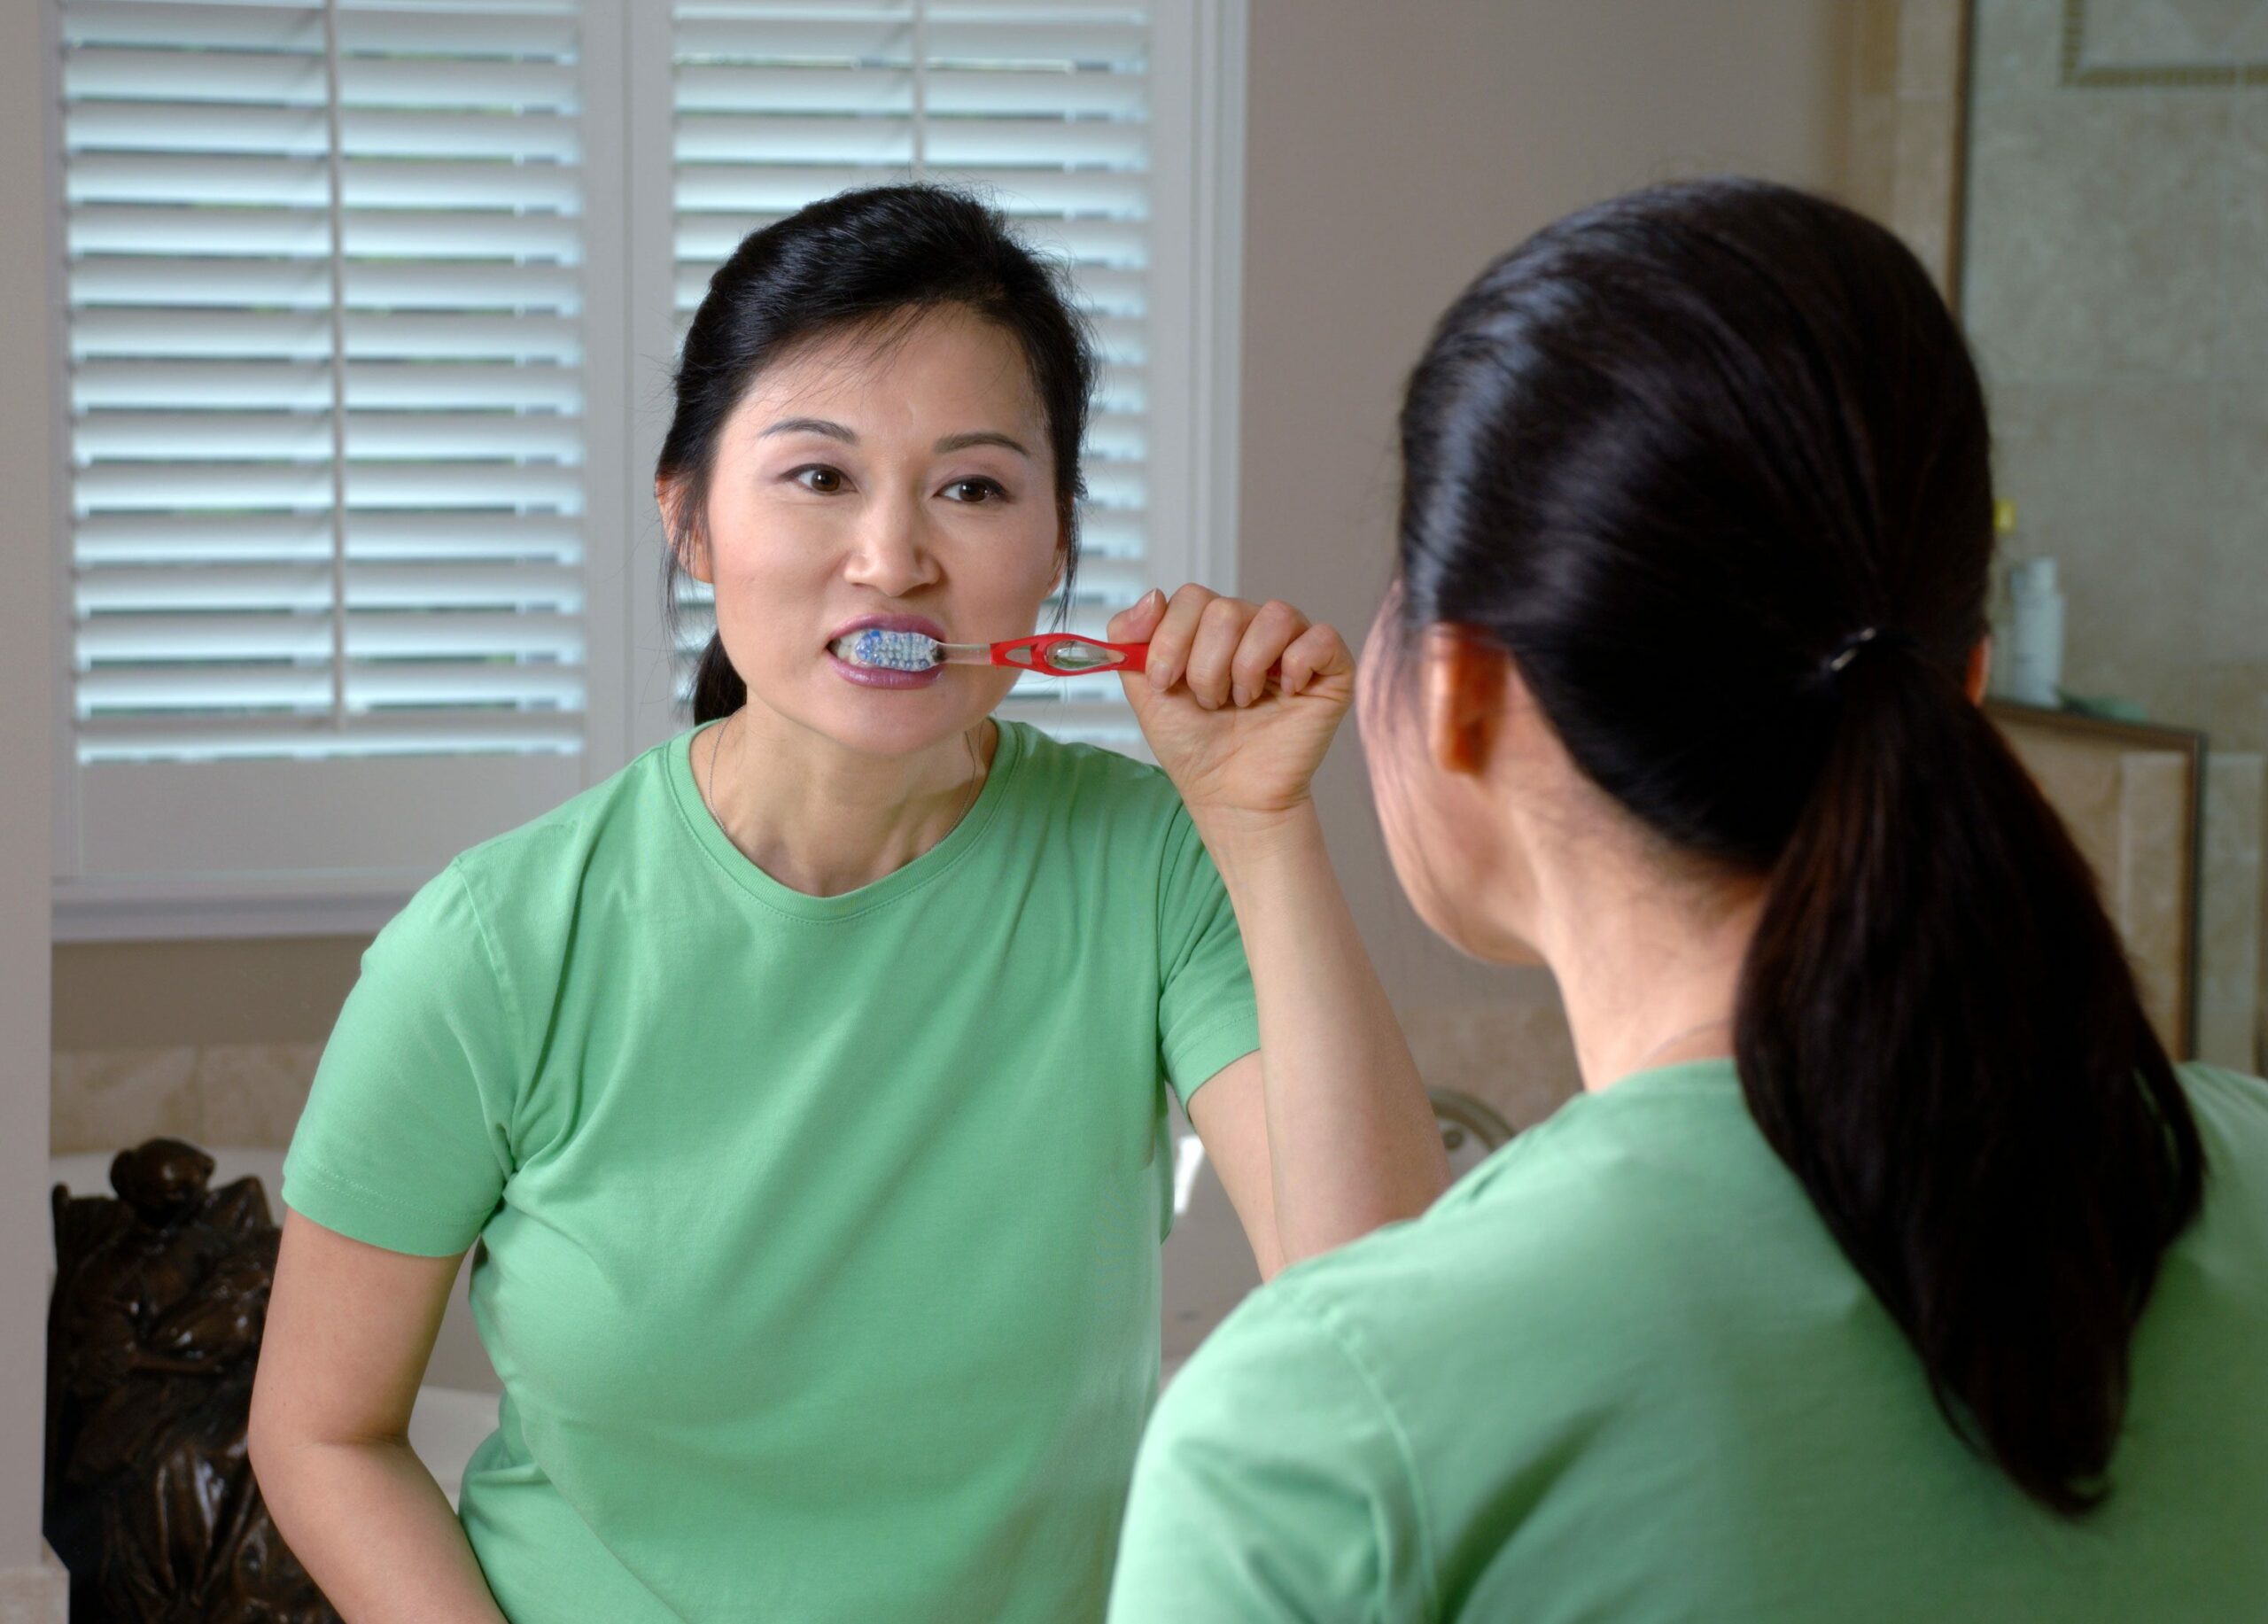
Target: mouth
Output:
[(875, 676)]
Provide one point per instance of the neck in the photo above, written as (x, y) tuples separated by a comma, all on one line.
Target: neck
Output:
[(822, 820), (1648, 965)]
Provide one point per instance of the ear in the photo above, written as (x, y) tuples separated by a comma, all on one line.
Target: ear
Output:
[(1465, 679), (692, 553), (1063, 561), (1979, 675)]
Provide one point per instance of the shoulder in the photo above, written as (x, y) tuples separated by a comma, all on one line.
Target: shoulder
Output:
[(565, 838), (1277, 1427), (1088, 780), (2231, 1097), (1575, 1251), (516, 892)]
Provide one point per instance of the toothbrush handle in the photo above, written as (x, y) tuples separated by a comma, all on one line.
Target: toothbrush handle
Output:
[(1064, 653)]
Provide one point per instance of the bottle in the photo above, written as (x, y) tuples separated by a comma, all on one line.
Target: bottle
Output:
[(2036, 634)]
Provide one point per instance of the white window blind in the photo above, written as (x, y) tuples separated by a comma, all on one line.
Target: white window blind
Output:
[(324, 285), (364, 316), (1041, 109)]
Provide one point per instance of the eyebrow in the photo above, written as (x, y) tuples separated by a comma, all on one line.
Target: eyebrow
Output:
[(849, 437)]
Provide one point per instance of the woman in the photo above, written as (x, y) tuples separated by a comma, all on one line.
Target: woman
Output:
[(1876, 1273), (802, 1085)]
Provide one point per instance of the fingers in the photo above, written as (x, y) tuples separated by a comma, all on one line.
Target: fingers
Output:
[(1317, 651), (1176, 631), (1136, 623), (1225, 650), (1271, 631), (1221, 631)]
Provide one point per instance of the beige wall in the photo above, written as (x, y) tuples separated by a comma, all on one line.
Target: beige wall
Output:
[(26, 547), (1393, 149)]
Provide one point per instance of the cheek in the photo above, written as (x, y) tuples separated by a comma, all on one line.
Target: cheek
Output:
[(1431, 851)]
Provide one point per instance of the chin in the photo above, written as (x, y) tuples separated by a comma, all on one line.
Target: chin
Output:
[(900, 722)]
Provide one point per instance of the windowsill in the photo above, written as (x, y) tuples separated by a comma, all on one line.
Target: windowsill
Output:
[(327, 905)]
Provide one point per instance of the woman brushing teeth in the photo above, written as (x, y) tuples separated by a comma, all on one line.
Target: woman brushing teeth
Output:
[(803, 1083)]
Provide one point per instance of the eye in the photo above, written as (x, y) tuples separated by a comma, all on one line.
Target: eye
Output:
[(976, 490), (820, 477)]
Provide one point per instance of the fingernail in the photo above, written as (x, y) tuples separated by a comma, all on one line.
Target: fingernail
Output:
[(1242, 695)]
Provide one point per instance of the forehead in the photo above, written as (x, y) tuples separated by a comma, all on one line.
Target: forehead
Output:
[(932, 372)]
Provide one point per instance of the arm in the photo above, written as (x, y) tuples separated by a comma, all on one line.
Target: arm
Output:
[(1327, 1132), (1273, 1486), (350, 1328)]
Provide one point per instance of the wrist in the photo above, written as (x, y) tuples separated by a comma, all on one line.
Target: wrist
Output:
[(1244, 840)]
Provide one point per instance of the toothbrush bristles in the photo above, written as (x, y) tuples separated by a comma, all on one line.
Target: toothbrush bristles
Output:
[(889, 650)]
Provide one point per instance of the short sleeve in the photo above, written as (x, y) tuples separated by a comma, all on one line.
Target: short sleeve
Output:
[(1272, 1484), (404, 1142), (1206, 1014)]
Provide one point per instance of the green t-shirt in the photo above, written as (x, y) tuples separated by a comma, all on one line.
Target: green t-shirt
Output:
[(1622, 1372), (820, 1237)]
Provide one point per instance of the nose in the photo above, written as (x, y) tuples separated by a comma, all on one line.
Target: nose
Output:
[(891, 552)]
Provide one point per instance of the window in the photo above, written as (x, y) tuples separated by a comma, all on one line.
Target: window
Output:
[(369, 310)]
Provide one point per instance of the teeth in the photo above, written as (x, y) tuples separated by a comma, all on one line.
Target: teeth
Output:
[(887, 650)]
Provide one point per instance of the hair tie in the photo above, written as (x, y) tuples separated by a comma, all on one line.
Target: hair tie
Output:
[(1849, 648)]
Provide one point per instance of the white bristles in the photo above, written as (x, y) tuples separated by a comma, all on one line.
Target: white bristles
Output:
[(889, 651)]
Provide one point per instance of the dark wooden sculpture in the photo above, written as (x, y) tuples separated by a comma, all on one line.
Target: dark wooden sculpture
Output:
[(152, 1340)]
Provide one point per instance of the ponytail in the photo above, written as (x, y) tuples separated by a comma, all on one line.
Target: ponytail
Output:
[(718, 689), (1937, 1032), (1665, 454)]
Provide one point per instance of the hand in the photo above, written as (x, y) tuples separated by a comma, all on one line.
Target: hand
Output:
[(1240, 744)]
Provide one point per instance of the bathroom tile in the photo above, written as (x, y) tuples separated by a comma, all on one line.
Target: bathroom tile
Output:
[(2150, 33), (1514, 1054), (2093, 226), (2081, 782), (2236, 597), (1874, 48), (1928, 48), (2230, 911), (2244, 354), (109, 1099), (1926, 155), (2250, 43), (2109, 481), (1870, 167), (252, 1094), (2152, 858), (2018, 48), (2215, 26), (2235, 704)]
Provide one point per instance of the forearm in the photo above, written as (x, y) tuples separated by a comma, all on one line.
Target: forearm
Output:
[(1351, 1137), (375, 1532)]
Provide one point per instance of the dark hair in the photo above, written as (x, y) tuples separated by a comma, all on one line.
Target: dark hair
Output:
[(1679, 454), (865, 258)]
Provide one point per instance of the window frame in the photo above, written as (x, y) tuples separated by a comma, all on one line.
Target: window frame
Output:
[(1197, 84)]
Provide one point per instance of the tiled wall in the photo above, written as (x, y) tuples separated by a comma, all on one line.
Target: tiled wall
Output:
[(228, 1093), (2116, 233), (2113, 285)]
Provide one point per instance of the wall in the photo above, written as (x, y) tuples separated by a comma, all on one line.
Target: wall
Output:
[(26, 446), (1391, 151), (2116, 228)]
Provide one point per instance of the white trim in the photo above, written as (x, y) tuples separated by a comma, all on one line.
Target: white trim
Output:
[(1199, 66), (648, 282), (144, 909), (1218, 397), (609, 380), (1197, 202), (64, 838)]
